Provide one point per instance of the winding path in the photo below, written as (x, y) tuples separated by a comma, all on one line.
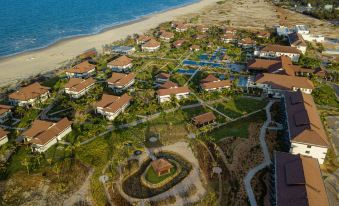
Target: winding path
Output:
[(267, 158)]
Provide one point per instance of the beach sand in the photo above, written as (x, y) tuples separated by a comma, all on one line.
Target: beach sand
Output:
[(30, 64)]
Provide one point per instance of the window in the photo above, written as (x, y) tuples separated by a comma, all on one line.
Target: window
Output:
[(307, 152), (309, 146)]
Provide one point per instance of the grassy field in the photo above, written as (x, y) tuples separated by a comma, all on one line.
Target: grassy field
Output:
[(153, 178), (239, 106), (238, 128)]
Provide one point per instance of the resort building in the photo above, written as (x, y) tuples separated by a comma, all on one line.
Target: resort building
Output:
[(178, 43), (302, 29), (166, 36), (275, 51), (230, 30), (111, 106), (202, 28), (89, 54), (283, 31), (204, 119), (297, 41), (229, 38), (275, 84), (3, 137), (123, 49), (263, 34), (151, 46), (143, 39), (179, 93), (212, 83), (195, 47), (247, 43), (181, 27), (44, 134), (82, 70), (168, 85), (29, 95), (120, 82), (5, 113), (162, 77), (304, 132), (121, 64), (77, 88), (296, 180), (161, 166)]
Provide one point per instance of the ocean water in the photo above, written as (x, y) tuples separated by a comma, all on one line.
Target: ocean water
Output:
[(32, 24)]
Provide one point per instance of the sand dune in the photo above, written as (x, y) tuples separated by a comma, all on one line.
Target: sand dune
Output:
[(29, 64)]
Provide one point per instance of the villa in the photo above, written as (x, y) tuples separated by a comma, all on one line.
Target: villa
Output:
[(3, 137), (178, 43), (204, 119), (275, 84), (82, 70), (89, 54), (304, 131), (165, 95), (77, 88), (297, 41), (302, 29), (121, 64), (229, 38), (123, 49), (274, 51), (143, 39), (282, 65), (195, 47), (168, 85), (151, 46), (162, 77), (5, 113), (111, 106), (181, 27), (44, 134), (166, 36), (296, 180), (161, 166), (263, 34), (230, 30), (120, 82), (212, 83), (29, 95), (202, 28), (247, 43)]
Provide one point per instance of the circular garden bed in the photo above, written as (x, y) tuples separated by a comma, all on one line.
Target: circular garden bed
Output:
[(135, 186)]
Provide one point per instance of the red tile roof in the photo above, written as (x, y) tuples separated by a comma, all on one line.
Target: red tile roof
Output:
[(3, 133), (81, 68), (77, 85), (282, 49), (304, 123), (284, 82), (168, 85), (120, 61), (119, 79), (173, 91), (31, 91), (4, 109), (163, 75), (217, 84), (204, 118), (298, 181), (151, 44), (161, 165), (209, 78), (111, 103)]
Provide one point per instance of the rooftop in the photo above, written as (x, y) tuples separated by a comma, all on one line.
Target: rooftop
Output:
[(77, 85), (120, 79), (111, 103), (173, 91), (83, 67), (4, 108), (204, 118), (120, 61), (279, 48), (284, 82), (31, 91)]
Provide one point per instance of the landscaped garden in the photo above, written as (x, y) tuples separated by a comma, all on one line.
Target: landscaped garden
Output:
[(152, 177)]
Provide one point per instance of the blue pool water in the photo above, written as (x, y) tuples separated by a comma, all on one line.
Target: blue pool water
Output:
[(186, 71), (32, 24)]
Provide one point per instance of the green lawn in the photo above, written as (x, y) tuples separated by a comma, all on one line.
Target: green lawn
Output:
[(325, 95), (152, 177), (239, 106), (238, 128)]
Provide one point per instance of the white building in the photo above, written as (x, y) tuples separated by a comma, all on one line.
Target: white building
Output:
[(44, 134), (29, 95), (111, 106), (302, 29), (77, 88), (5, 113), (304, 127), (313, 38), (3, 137), (120, 82), (276, 84), (275, 51), (82, 70), (283, 31), (162, 77), (164, 95), (151, 46), (212, 83), (296, 40), (121, 64)]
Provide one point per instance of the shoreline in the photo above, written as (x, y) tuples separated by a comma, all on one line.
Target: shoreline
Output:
[(104, 29), (32, 63)]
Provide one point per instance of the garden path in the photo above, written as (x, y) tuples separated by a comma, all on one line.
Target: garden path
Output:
[(267, 158)]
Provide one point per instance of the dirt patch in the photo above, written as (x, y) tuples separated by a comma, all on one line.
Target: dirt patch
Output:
[(43, 188)]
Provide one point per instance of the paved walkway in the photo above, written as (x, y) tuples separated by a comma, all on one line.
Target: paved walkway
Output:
[(267, 158)]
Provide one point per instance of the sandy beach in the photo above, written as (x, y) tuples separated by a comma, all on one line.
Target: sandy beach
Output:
[(29, 64)]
